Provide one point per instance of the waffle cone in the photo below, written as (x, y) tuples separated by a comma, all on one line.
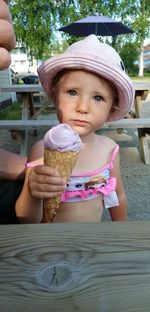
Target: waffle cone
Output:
[(64, 162)]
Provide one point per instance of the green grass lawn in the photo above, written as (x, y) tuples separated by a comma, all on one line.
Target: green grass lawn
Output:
[(12, 111), (141, 79)]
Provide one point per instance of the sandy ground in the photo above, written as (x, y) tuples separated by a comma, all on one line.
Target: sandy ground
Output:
[(135, 174)]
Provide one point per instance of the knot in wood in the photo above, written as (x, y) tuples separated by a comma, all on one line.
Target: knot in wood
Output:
[(58, 276)]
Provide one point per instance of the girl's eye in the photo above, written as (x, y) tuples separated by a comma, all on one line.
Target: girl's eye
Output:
[(72, 92), (98, 98)]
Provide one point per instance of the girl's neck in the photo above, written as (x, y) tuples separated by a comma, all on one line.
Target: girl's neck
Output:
[(88, 139)]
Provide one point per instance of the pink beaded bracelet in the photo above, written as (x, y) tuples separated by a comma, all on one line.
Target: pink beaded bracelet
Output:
[(31, 164)]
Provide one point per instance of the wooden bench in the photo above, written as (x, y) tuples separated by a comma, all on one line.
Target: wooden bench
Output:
[(141, 124), (27, 92), (143, 129)]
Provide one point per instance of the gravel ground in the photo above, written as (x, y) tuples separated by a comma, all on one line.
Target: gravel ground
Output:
[(135, 174)]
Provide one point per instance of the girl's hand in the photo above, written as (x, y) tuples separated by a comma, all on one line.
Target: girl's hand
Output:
[(45, 182)]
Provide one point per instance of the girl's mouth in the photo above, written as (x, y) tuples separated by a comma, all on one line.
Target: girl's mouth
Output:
[(81, 123)]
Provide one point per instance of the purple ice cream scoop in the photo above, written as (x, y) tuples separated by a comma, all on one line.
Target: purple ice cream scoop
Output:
[(62, 138)]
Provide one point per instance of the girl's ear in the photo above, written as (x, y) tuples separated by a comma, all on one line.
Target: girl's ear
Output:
[(114, 107)]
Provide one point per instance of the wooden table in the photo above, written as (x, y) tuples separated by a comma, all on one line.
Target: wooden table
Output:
[(27, 91), (75, 267), (141, 93)]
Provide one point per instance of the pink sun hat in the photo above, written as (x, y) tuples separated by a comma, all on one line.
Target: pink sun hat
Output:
[(91, 55)]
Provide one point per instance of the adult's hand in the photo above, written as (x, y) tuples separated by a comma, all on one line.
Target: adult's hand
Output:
[(7, 35)]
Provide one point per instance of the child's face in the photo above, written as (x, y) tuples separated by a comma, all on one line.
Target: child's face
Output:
[(84, 101)]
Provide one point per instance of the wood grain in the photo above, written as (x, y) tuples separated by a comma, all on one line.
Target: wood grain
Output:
[(75, 267)]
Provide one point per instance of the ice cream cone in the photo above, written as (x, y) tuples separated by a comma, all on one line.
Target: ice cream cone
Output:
[(64, 162)]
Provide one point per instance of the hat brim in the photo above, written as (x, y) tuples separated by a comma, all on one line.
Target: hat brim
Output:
[(98, 65)]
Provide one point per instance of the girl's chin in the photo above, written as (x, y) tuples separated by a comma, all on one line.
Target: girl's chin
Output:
[(81, 131)]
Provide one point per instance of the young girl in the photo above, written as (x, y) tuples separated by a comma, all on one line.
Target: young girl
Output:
[(89, 86)]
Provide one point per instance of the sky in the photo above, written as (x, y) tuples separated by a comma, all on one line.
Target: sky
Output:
[(147, 41)]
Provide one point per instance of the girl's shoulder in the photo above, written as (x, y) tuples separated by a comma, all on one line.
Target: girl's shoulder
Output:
[(106, 148), (106, 141), (39, 143), (37, 150)]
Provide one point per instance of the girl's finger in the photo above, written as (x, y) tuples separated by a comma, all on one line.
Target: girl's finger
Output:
[(46, 187), (44, 195)]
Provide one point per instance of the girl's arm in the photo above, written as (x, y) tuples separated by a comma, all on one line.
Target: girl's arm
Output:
[(119, 213), (40, 182), (28, 208)]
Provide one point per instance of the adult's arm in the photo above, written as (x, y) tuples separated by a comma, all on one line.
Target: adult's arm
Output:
[(12, 166)]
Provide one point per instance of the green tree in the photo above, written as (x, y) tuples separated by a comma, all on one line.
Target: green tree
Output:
[(141, 26), (129, 54), (36, 22)]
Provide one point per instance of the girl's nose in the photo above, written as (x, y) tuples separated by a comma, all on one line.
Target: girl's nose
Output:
[(82, 106)]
